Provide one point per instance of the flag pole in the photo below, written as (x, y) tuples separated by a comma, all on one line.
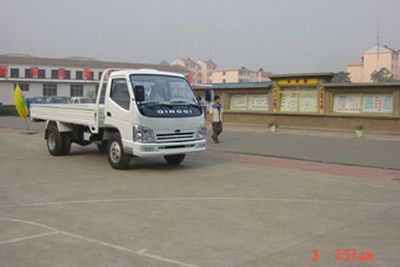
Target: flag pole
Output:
[(26, 124)]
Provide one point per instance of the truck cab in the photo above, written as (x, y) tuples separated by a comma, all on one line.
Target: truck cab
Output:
[(156, 113)]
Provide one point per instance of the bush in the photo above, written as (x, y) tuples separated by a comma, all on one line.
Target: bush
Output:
[(8, 110), (359, 127)]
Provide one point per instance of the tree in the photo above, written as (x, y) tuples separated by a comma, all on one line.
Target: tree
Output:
[(382, 75), (341, 77)]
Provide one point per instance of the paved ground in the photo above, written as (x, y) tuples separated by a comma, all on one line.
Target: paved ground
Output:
[(217, 209), (341, 150), (380, 151)]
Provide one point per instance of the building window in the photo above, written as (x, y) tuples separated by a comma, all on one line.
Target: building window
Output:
[(79, 75), (76, 90), (24, 86), (49, 89), (224, 73), (14, 73), (54, 74), (224, 80), (100, 74), (42, 74), (67, 75), (28, 73)]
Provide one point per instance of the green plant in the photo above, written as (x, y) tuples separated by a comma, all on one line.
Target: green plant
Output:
[(273, 124), (359, 127)]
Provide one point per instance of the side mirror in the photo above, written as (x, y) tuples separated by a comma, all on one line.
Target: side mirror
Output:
[(139, 93)]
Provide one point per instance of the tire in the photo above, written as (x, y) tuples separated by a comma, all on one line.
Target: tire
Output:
[(102, 147), (55, 142), (66, 143), (117, 158), (174, 160)]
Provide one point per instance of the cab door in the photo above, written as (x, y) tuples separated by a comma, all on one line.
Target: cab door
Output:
[(118, 108)]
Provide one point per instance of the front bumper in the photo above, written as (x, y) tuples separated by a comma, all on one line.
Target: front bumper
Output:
[(162, 149)]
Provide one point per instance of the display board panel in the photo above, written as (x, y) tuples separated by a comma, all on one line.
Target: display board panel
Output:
[(299, 100), (378, 103), (289, 101), (308, 101), (258, 102), (347, 103), (363, 103), (249, 102), (238, 102)]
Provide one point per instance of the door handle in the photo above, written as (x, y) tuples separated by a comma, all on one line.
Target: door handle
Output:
[(108, 114)]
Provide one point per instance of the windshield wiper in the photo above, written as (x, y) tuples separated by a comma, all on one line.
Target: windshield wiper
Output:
[(154, 103), (182, 102)]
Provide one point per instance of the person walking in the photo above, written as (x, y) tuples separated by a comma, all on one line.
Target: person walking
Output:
[(216, 112)]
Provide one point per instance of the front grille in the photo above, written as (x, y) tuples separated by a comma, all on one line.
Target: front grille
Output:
[(175, 137)]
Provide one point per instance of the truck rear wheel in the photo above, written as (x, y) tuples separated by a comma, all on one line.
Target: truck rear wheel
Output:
[(66, 143), (117, 158), (55, 142), (174, 159)]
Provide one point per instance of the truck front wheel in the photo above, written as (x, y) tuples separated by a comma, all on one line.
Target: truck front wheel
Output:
[(117, 158), (174, 159)]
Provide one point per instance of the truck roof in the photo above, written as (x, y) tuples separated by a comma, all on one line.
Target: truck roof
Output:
[(145, 71)]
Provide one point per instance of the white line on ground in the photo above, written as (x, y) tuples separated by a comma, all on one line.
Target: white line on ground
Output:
[(90, 240), (27, 238), (93, 201), (29, 222)]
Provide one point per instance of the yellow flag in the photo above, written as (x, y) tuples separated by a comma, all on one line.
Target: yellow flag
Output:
[(19, 102)]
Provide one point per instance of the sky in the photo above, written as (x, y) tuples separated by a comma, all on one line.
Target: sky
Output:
[(280, 36)]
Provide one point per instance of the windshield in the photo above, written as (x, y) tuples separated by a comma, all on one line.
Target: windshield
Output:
[(164, 89)]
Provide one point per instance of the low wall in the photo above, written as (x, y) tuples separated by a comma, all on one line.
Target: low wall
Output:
[(375, 124)]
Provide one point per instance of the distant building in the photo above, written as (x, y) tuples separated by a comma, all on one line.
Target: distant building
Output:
[(375, 58), (239, 76), (74, 76), (192, 66), (207, 67)]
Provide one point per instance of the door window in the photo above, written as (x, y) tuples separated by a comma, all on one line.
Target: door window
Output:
[(119, 93)]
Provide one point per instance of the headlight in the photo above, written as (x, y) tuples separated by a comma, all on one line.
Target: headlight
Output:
[(143, 134), (201, 133)]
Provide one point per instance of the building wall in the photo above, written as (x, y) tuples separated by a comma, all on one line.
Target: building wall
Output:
[(36, 89), (206, 71), (225, 76), (356, 73), (238, 75), (194, 68), (372, 63), (48, 70)]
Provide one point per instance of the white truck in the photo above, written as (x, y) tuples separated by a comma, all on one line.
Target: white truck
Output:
[(143, 113)]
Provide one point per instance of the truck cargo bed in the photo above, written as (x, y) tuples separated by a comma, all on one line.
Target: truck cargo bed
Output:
[(82, 114)]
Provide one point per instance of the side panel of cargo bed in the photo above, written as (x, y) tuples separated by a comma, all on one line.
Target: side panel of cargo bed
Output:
[(82, 114)]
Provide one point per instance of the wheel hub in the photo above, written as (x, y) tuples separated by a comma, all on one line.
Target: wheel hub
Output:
[(115, 152), (51, 141)]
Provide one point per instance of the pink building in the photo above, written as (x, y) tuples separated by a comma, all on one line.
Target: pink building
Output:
[(239, 75), (375, 58)]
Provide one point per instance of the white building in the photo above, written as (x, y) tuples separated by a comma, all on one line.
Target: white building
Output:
[(59, 76)]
